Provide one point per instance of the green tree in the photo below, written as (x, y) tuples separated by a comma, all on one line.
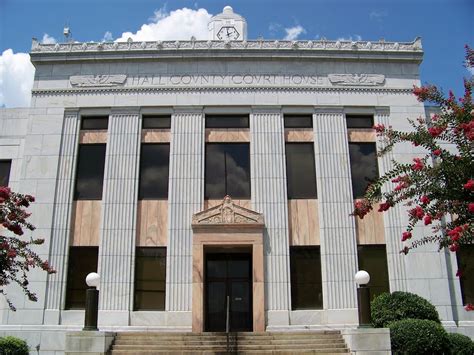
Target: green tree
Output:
[(16, 256), (438, 186)]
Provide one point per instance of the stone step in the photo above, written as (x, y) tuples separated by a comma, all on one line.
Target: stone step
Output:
[(224, 341), (238, 346), (279, 352), (239, 337), (167, 334)]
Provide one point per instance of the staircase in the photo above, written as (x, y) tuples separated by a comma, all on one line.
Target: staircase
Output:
[(314, 342)]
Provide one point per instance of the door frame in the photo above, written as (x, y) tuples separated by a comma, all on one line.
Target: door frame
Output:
[(200, 241)]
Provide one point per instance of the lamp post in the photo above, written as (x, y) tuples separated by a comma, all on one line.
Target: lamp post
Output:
[(92, 301), (362, 278)]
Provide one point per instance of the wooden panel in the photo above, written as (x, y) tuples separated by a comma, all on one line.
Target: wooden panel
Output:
[(303, 222), (242, 203), (299, 135), (227, 135), (152, 223), (370, 230), (361, 135), (86, 223), (156, 136), (91, 137)]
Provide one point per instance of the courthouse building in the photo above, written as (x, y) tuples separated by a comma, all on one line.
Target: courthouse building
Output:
[(189, 172)]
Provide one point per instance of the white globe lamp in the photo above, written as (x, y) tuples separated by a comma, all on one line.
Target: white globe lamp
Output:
[(93, 279), (362, 277)]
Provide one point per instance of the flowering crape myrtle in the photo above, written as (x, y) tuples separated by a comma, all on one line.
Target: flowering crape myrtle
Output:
[(438, 186), (16, 257)]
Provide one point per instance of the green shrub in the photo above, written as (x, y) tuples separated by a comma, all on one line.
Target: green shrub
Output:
[(13, 346), (460, 344), (418, 336), (398, 305)]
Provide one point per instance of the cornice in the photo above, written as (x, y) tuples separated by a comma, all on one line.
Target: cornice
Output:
[(203, 89), (255, 48)]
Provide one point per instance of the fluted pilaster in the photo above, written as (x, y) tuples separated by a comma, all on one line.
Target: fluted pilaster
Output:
[(337, 227), (186, 195), (62, 212), (119, 211), (392, 220), (269, 196)]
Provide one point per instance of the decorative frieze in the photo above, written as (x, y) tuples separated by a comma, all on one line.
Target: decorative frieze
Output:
[(357, 79), (320, 45), (97, 80)]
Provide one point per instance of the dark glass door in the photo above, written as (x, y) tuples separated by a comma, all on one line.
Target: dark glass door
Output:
[(228, 275)]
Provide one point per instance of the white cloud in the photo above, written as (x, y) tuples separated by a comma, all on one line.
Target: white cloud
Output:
[(378, 15), (16, 79), (107, 37), (293, 33), (350, 38), (47, 39), (179, 24), (470, 70)]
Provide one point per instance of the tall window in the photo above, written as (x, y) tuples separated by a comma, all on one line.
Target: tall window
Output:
[(298, 121), (227, 170), (465, 257), (94, 122), (154, 169), (5, 167), (306, 282), (300, 171), (156, 121), (359, 121), (227, 121), (150, 279), (373, 259), (364, 168), (82, 261), (90, 172)]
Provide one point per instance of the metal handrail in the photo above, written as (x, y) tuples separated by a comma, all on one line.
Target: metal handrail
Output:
[(227, 324)]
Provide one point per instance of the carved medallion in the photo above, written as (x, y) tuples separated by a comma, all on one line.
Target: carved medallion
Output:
[(357, 79), (97, 80)]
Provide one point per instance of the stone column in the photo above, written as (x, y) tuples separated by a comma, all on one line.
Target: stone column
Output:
[(337, 227), (62, 209), (119, 214), (392, 219), (269, 197), (186, 196)]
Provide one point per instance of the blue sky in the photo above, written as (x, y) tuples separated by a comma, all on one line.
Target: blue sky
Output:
[(444, 25)]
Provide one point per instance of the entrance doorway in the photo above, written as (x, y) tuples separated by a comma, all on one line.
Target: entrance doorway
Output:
[(228, 275)]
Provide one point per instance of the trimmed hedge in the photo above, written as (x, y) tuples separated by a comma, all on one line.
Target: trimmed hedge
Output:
[(13, 346), (398, 305), (460, 344), (418, 336)]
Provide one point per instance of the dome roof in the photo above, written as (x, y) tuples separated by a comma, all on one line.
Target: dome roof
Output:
[(227, 13)]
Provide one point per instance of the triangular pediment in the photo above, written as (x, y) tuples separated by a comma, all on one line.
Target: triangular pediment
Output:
[(227, 214)]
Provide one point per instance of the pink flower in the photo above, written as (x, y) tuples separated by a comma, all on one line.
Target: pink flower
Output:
[(5, 192), (379, 128), (470, 207), (384, 206), (469, 185), (417, 212), (405, 236), (469, 307), (437, 152), (454, 247), (418, 164), (427, 219), (459, 273), (435, 131), (424, 200), (11, 253)]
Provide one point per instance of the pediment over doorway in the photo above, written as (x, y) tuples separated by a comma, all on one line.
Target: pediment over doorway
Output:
[(227, 214)]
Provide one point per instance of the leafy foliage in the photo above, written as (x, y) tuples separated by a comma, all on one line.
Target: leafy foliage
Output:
[(16, 256), (438, 186), (13, 346), (390, 307), (460, 344), (418, 336)]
